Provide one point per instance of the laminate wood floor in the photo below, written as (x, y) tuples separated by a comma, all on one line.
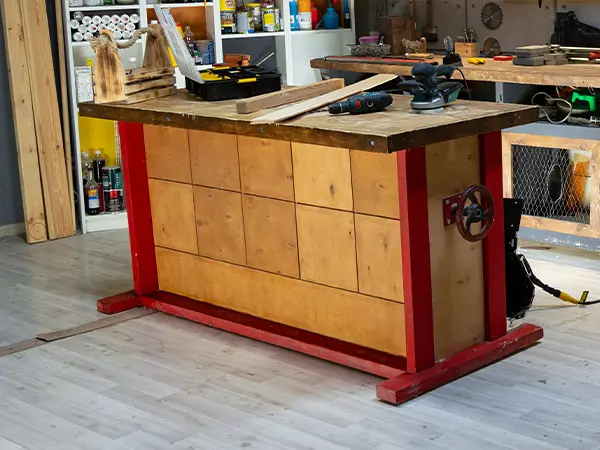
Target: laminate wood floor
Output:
[(159, 382)]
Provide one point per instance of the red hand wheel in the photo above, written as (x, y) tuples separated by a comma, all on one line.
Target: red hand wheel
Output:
[(469, 210)]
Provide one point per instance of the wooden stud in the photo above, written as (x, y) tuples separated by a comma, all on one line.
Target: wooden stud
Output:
[(327, 246), (595, 190), (64, 100), (270, 229), (137, 200), (58, 199), (219, 224), (379, 257), (20, 92), (507, 166), (323, 176), (173, 215), (266, 167), (375, 184), (494, 270), (416, 265), (168, 153), (296, 303), (214, 159)]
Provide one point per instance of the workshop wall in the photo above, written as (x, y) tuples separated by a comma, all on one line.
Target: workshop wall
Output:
[(523, 22)]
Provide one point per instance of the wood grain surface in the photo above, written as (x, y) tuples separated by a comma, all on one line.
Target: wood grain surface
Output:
[(214, 159), (326, 242), (351, 317), (167, 153), (379, 257), (220, 224), (287, 96), (388, 131), (24, 123), (270, 229), (173, 220), (456, 264), (322, 176), (266, 167), (58, 198), (375, 184), (580, 75)]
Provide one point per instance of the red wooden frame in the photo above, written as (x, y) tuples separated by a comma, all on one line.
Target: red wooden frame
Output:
[(416, 265), (408, 377), (139, 215), (494, 270)]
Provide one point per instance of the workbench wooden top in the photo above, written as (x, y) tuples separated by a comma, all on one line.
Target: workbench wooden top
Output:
[(388, 131), (580, 75)]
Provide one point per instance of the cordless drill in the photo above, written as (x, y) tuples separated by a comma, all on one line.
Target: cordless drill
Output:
[(362, 103)]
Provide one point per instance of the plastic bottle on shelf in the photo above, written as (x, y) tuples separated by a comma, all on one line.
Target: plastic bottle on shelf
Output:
[(294, 25), (85, 161), (99, 162), (92, 193), (188, 37), (314, 14), (346, 21), (331, 19), (305, 14)]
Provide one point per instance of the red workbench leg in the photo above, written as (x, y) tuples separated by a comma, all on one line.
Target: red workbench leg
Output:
[(416, 266), (494, 275), (141, 235)]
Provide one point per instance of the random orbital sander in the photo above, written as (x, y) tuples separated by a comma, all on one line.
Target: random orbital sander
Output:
[(431, 87)]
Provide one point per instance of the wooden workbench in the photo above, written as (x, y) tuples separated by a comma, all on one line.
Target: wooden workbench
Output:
[(580, 75), (325, 235)]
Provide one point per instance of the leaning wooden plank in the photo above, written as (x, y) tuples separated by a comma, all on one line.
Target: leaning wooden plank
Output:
[(286, 96), (145, 85), (148, 95), (323, 100), (57, 197), (64, 99), (29, 169)]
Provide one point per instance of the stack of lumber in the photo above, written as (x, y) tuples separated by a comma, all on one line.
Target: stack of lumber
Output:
[(538, 55), (44, 153)]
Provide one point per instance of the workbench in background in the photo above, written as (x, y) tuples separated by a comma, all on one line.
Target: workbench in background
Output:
[(325, 234), (571, 151)]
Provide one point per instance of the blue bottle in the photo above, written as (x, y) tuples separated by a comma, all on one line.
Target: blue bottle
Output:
[(294, 24), (331, 20)]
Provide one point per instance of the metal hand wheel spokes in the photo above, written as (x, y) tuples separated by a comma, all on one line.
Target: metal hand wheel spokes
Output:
[(478, 211)]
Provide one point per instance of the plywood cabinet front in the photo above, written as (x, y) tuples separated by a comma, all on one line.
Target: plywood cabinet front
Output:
[(268, 228)]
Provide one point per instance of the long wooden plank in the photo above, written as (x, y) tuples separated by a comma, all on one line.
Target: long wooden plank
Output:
[(325, 99), (64, 100), (286, 96), (57, 197), (29, 169)]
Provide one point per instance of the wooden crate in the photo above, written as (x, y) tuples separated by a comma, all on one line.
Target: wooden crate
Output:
[(550, 143)]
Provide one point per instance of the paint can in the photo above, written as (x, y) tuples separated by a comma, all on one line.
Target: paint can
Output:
[(112, 183), (277, 20), (268, 19), (241, 21), (227, 16)]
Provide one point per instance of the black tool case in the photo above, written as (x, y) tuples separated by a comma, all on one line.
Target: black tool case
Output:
[(234, 82)]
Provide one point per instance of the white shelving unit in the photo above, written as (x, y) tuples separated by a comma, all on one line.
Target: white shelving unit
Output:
[(293, 52)]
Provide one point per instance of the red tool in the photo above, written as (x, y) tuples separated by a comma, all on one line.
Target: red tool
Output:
[(503, 58)]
